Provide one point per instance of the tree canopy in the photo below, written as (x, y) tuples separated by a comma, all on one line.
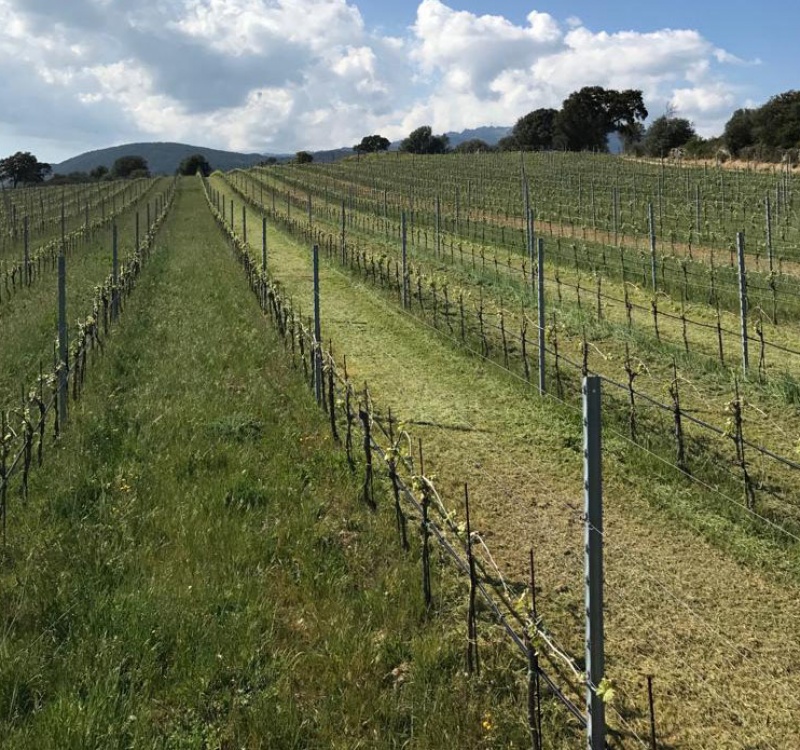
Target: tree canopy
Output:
[(371, 144), (423, 141), (584, 122), (193, 164), (739, 130), (777, 123), (766, 132), (473, 146), (587, 117), (666, 133), (535, 131), (130, 166), (23, 167), (303, 157)]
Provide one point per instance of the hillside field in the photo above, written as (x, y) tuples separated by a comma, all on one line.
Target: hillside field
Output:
[(205, 557)]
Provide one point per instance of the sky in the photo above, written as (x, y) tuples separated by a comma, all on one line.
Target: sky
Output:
[(277, 76)]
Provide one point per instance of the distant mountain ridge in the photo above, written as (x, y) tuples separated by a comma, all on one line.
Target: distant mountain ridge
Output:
[(491, 134), (164, 157)]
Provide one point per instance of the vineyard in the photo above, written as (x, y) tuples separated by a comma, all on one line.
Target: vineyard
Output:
[(446, 323), (432, 258)]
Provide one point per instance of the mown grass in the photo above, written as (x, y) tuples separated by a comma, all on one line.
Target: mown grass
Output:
[(674, 602), (194, 570), (707, 387)]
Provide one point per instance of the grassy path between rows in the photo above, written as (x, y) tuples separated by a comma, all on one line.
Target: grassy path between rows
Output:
[(716, 624), (193, 568)]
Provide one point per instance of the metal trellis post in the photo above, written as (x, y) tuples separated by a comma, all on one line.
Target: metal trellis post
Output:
[(593, 512), (743, 299), (263, 244), (114, 273), (541, 311), (652, 228), (317, 330)]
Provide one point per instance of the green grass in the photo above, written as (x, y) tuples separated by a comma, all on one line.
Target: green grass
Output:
[(707, 387), (29, 318), (102, 198), (674, 601), (194, 570)]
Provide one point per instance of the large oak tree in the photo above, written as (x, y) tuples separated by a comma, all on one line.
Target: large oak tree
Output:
[(23, 167), (423, 141), (587, 117), (372, 144)]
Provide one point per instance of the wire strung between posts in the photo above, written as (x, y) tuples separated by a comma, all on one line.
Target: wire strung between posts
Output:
[(710, 628), (88, 336), (665, 407), (464, 567), (701, 423), (578, 512), (489, 360)]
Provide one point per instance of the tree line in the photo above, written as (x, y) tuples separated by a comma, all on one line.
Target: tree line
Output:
[(584, 122), (23, 168), (588, 117)]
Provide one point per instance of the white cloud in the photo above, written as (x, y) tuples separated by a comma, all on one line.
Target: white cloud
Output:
[(240, 27), (709, 106), (471, 51), (493, 69), (280, 75)]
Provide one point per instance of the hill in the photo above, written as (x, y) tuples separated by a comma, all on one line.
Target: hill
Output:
[(491, 134), (163, 158)]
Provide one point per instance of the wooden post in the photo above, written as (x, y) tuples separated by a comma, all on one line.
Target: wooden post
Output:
[(425, 529), (437, 224), (653, 740), (26, 252), (406, 301), (63, 344), (697, 212), (534, 686), (264, 244), (473, 660), (768, 209), (529, 244), (344, 235)]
